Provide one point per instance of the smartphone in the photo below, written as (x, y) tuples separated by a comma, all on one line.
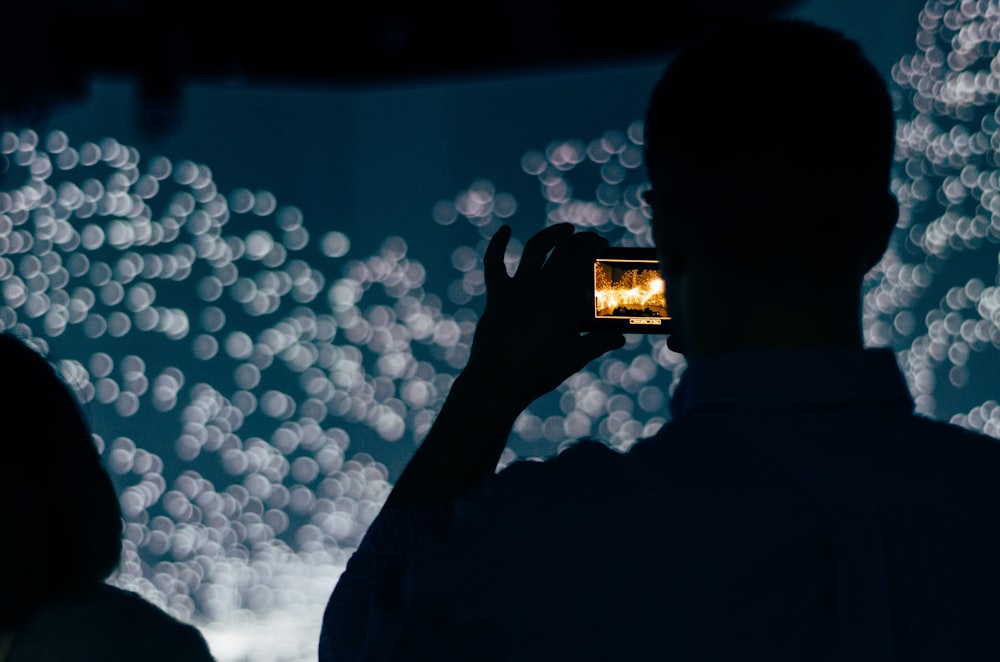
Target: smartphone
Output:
[(628, 293)]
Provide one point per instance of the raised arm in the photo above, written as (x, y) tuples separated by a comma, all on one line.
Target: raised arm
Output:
[(527, 342)]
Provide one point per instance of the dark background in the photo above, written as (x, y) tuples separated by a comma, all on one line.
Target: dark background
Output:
[(305, 43)]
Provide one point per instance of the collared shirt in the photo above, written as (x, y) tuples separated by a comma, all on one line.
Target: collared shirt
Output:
[(794, 508)]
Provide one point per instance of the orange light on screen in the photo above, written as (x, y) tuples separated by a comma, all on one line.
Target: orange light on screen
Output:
[(627, 288)]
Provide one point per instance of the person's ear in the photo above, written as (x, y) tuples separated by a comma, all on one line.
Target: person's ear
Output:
[(886, 217)]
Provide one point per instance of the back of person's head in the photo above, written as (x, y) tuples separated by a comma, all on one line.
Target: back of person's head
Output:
[(60, 519), (779, 136)]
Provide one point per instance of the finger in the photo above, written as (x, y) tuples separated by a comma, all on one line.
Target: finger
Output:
[(494, 268), (537, 248)]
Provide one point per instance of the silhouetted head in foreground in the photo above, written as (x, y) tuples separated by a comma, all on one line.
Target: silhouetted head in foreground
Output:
[(60, 520), (769, 149)]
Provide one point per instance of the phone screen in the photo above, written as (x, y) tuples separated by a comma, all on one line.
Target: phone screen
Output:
[(628, 293)]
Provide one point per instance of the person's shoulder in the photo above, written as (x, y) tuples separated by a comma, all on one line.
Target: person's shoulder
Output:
[(533, 488), (579, 466), (132, 606), (187, 641), (958, 458), (576, 461), (953, 434), (110, 624), (951, 444)]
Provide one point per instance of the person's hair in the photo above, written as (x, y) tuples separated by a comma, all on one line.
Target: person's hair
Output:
[(60, 518), (781, 116)]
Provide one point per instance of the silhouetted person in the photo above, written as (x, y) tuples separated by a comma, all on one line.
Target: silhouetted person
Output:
[(60, 534), (794, 507)]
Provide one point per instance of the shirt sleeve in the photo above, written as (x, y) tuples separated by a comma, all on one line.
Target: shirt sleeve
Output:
[(420, 567), (364, 590)]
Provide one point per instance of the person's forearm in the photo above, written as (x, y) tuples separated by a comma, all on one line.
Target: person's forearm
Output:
[(464, 443), (510, 363)]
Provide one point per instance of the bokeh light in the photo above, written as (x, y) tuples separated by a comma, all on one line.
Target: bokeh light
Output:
[(935, 295), (247, 370)]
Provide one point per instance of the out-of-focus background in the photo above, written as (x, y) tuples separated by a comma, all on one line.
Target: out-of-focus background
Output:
[(253, 242)]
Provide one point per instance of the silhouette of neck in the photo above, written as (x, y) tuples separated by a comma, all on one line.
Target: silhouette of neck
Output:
[(715, 315)]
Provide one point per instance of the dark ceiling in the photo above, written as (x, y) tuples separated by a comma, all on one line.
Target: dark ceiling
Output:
[(55, 47)]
